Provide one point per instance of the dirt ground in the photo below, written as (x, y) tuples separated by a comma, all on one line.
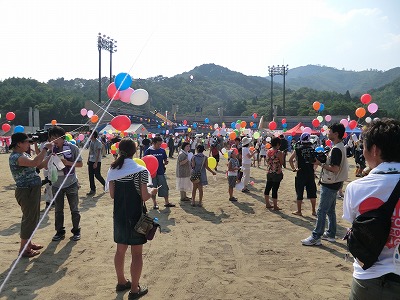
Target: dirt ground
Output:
[(222, 250)]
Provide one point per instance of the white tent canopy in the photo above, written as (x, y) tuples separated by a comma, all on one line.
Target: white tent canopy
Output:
[(134, 128)]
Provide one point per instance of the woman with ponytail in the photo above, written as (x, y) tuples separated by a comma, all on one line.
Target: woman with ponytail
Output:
[(127, 182)]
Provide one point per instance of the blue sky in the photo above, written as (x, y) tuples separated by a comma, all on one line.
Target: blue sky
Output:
[(47, 39)]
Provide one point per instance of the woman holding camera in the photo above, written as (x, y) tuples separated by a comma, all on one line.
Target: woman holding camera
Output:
[(23, 169)]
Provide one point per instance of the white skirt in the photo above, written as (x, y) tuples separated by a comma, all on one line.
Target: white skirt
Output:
[(184, 184)]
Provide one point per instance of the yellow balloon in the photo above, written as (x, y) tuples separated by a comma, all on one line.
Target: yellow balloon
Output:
[(226, 154), (140, 162), (189, 129), (212, 163), (113, 147)]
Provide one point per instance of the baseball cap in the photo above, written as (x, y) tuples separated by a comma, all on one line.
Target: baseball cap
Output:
[(19, 137)]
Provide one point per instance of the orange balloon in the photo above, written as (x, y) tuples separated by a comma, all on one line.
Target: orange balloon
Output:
[(316, 105), (251, 124), (243, 124), (53, 122), (252, 148), (360, 112), (94, 118), (268, 145), (232, 135)]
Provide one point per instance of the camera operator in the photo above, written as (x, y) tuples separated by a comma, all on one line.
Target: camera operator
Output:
[(304, 155), (334, 173), (23, 169)]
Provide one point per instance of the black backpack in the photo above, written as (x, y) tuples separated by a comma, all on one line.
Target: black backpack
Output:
[(370, 231)]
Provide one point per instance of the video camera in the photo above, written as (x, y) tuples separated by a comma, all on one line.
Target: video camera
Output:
[(40, 136), (311, 155)]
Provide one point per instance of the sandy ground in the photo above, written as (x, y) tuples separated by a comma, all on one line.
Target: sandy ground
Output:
[(223, 250)]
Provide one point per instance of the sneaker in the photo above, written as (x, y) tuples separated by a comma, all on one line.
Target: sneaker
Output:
[(327, 238), (76, 237), (91, 193), (58, 236), (310, 241)]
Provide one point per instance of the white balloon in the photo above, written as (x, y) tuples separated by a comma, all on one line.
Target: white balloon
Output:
[(139, 97), (90, 113), (368, 119), (268, 139)]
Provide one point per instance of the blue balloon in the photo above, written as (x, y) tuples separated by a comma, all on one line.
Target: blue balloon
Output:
[(321, 107), (73, 142), (194, 125), (233, 125), (319, 149), (206, 120), (289, 138), (158, 126), (254, 125), (19, 128), (123, 81), (104, 132), (284, 125), (163, 132)]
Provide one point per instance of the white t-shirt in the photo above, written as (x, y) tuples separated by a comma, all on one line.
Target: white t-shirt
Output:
[(245, 159), (94, 148), (263, 149), (368, 193)]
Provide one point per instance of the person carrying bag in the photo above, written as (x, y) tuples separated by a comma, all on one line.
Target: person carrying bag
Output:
[(371, 205)]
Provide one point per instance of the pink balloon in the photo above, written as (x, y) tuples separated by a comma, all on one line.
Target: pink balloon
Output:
[(373, 108), (83, 112), (328, 118), (125, 95), (344, 122), (307, 129), (81, 137)]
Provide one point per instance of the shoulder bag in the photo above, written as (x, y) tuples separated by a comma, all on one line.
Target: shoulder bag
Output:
[(146, 225), (370, 231), (196, 175)]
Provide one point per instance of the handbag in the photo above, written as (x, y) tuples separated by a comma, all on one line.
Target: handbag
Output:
[(146, 226), (370, 231), (196, 176)]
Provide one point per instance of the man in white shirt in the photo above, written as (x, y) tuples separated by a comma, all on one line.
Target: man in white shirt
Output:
[(94, 163)]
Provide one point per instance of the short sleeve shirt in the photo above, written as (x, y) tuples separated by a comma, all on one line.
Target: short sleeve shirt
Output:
[(23, 176), (94, 148)]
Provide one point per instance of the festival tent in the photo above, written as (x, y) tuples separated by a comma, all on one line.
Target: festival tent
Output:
[(134, 128), (296, 130), (357, 131)]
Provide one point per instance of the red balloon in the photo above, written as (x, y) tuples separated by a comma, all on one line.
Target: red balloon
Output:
[(328, 143), (366, 98), (352, 124), (184, 122), (151, 163), (6, 127), (255, 116), (121, 122), (112, 92), (315, 122), (10, 116), (283, 121), (272, 125), (164, 145)]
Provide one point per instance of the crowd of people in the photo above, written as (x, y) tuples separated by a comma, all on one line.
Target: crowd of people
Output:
[(379, 146)]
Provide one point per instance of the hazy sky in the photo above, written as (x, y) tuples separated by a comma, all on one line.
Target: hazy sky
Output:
[(47, 39)]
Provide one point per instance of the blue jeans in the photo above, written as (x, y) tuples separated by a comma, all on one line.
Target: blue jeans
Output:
[(327, 206)]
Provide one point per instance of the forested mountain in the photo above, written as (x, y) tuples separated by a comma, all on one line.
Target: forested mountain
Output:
[(330, 79), (207, 88)]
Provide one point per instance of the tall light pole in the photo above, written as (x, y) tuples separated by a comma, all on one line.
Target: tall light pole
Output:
[(277, 70), (108, 44)]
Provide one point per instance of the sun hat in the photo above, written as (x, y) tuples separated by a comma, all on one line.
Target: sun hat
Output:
[(246, 141), (18, 137)]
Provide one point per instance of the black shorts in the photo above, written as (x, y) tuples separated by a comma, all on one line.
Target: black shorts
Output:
[(309, 183)]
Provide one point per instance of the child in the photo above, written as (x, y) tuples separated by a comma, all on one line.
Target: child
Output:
[(233, 167)]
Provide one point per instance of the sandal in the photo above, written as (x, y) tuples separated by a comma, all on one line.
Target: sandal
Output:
[(143, 290), (36, 247), (297, 213), (186, 199), (123, 287), (269, 206), (30, 253)]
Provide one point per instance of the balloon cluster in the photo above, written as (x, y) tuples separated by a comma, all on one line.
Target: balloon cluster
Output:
[(90, 114), (372, 107), (6, 127), (121, 89)]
